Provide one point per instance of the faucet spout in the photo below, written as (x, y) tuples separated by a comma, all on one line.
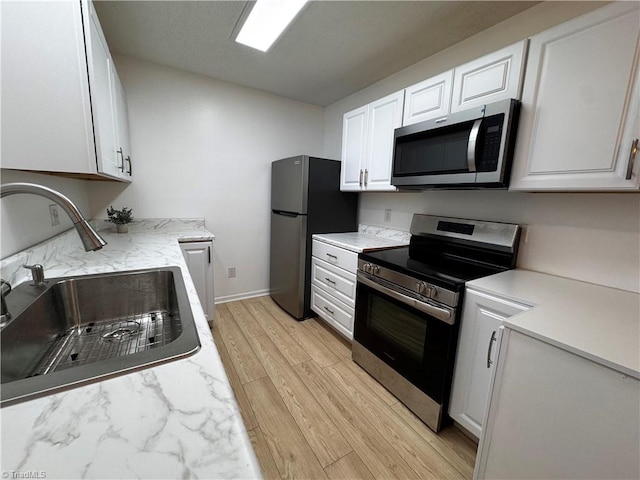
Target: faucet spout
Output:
[(90, 238)]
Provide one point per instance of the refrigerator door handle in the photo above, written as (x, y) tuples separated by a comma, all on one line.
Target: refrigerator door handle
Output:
[(286, 214)]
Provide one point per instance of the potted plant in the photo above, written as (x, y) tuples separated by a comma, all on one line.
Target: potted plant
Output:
[(121, 218)]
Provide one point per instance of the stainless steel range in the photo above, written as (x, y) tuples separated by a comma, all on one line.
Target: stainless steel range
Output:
[(409, 301)]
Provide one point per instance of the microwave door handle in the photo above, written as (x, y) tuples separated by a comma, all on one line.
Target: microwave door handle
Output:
[(471, 146)]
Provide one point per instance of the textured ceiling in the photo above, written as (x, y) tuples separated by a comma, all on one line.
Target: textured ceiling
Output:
[(331, 50)]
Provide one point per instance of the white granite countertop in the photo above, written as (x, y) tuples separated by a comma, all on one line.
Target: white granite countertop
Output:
[(595, 322), (367, 238), (176, 420)]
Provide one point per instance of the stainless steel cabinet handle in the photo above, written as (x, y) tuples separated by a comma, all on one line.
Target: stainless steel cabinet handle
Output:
[(632, 158), (329, 310), (209, 253), (129, 162), (332, 256), (471, 146), (121, 167), (440, 120), (366, 177), (330, 281), (360, 178), (493, 339)]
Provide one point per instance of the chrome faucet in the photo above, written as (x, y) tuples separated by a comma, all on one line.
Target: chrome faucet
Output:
[(90, 238)]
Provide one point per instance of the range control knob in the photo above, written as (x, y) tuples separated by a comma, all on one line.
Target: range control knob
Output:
[(426, 290), (367, 267), (375, 269)]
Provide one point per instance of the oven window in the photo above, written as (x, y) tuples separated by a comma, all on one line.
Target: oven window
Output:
[(400, 327)]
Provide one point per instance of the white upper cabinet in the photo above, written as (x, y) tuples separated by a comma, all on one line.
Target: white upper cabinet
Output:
[(354, 147), (46, 114), (67, 123), (580, 105), (494, 77), (102, 97), (428, 99), (367, 144), (385, 115)]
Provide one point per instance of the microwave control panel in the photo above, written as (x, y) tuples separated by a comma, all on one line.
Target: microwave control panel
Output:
[(491, 137)]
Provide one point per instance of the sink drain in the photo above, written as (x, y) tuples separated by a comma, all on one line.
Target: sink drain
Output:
[(123, 332)]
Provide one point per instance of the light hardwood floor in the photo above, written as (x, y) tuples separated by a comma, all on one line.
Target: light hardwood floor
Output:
[(313, 413)]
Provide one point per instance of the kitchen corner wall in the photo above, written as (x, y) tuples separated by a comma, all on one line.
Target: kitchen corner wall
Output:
[(203, 148), (25, 219), (590, 237)]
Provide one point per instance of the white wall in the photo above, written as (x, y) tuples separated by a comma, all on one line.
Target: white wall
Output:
[(25, 219), (590, 237), (203, 148)]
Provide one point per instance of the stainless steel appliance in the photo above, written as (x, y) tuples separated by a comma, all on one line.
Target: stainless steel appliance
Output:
[(305, 199), (408, 304), (469, 149)]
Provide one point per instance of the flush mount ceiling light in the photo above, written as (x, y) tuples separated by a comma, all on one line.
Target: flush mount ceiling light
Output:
[(267, 21)]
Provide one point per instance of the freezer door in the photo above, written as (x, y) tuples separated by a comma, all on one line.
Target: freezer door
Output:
[(289, 184), (288, 251)]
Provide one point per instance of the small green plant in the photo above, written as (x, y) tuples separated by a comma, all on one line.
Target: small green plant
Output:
[(120, 217)]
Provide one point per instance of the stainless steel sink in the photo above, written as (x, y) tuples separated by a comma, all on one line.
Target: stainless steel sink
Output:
[(76, 330)]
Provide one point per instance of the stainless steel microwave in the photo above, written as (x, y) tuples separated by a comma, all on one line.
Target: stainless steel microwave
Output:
[(469, 149)]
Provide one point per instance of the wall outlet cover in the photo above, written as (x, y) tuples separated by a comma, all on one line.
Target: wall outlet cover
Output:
[(53, 212), (231, 272)]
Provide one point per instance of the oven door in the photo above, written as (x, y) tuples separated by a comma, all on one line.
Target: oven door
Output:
[(415, 337)]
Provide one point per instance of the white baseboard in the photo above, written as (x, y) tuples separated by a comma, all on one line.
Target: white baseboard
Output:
[(241, 296)]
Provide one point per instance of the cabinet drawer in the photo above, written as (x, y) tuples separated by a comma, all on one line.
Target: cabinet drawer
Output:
[(336, 256), (333, 311), (339, 283)]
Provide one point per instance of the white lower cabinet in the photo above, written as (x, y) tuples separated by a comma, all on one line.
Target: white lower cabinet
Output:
[(199, 259), (556, 415), (482, 316), (333, 286)]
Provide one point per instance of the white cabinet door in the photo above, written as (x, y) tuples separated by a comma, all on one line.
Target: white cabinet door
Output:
[(103, 101), (556, 415), (122, 127), (580, 110), (198, 256), (482, 316), (354, 149), (428, 99), (46, 109), (385, 115), (488, 79)]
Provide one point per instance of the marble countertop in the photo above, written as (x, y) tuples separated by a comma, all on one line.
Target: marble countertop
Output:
[(367, 238), (595, 322), (176, 420)]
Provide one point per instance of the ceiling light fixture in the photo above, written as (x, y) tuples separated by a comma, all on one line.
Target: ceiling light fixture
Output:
[(266, 22)]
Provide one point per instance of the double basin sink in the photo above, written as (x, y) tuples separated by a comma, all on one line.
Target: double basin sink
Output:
[(77, 330)]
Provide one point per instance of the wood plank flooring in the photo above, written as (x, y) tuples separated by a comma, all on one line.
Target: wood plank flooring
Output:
[(311, 412)]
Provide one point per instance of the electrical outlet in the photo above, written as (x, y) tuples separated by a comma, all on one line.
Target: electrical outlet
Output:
[(231, 272), (387, 215), (53, 212)]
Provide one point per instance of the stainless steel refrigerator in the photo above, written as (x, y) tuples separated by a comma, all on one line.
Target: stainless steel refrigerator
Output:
[(305, 199)]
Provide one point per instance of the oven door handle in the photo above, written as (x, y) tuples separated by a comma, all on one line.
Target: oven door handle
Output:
[(437, 312)]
